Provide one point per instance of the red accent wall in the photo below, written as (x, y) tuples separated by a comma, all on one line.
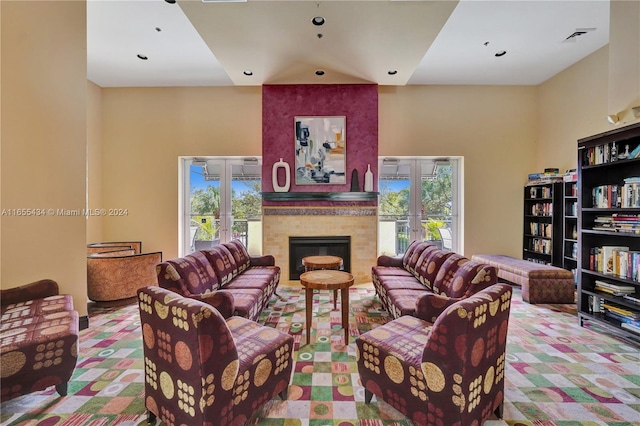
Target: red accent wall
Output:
[(357, 102)]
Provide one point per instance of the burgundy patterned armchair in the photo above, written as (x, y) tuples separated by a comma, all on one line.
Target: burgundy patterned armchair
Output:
[(201, 369), (38, 339), (448, 373)]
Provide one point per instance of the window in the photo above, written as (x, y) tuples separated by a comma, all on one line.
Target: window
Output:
[(221, 201), (419, 200)]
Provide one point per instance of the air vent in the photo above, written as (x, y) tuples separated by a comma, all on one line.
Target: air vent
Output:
[(579, 32)]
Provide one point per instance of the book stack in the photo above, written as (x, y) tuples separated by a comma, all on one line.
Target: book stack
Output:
[(541, 229), (548, 176), (614, 289), (630, 193), (628, 319), (618, 222), (615, 260)]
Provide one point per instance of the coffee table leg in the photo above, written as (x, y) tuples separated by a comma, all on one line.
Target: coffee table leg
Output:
[(308, 293), (345, 314)]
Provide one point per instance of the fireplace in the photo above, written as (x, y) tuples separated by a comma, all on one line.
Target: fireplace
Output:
[(300, 247)]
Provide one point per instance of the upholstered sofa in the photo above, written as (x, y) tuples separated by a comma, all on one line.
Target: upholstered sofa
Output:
[(226, 277), (203, 369), (38, 339), (426, 279), (450, 372)]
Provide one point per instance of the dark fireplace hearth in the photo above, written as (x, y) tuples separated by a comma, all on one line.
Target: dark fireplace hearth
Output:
[(300, 247)]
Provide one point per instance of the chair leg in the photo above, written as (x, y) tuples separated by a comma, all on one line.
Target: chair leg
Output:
[(62, 388), (284, 394), (499, 412), (367, 396), (151, 418)]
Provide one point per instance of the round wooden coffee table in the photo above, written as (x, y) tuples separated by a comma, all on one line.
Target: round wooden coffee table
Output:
[(312, 263), (327, 280)]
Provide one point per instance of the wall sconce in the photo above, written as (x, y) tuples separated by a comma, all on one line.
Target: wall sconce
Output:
[(636, 111), (625, 116), (613, 118)]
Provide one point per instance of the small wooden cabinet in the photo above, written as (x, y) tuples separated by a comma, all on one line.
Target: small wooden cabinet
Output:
[(542, 232), (609, 231)]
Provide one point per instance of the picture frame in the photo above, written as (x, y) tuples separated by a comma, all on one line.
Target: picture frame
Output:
[(320, 150)]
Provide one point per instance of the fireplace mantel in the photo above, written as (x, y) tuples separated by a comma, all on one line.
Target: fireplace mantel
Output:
[(319, 196)]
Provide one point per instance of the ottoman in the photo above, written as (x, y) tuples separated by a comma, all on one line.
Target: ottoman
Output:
[(540, 283)]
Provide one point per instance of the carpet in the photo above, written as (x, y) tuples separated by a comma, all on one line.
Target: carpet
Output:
[(558, 374)]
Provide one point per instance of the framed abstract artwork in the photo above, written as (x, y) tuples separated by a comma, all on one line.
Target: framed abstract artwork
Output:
[(321, 147)]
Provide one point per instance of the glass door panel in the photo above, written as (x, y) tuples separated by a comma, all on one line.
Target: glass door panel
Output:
[(245, 220)]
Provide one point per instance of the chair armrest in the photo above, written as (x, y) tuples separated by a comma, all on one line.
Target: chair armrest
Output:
[(385, 260), (266, 260), (35, 290), (221, 300), (431, 305)]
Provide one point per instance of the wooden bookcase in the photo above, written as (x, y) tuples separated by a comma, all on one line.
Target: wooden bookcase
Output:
[(602, 224), (570, 227), (542, 231)]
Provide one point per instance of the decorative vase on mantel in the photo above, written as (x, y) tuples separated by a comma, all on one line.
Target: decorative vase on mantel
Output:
[(355, 183), (274, 176), (368, 179)]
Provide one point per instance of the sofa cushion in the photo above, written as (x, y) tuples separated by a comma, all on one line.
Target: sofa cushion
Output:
[(239, 253), (410, 260), (383, 271), (429, 265), (248, 303), (193, 274), (31, 308), (402, 301), (444, 278), (469, 278), (223, 263)]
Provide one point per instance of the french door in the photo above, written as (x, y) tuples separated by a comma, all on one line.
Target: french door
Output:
[(221, 201), (419, 200)]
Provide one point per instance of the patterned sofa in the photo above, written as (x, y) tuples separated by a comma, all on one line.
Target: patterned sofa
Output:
[(450, 372), (203, 369), (226, 277), (540, 283), (426, 279), (38, 339)]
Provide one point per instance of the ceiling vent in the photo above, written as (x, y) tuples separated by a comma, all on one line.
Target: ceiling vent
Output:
[(579, 32)]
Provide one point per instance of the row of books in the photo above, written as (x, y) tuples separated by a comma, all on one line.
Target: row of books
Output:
[(614, 289), (540, 192), (571, 209), (541, 229), (617, 196), (540, 246), (609, 153), (615, 260), (618, 223), (542, 209)]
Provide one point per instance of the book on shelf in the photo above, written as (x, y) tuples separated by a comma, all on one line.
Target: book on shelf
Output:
[(609, 153), (632, 298), (626, 262), (610, 258), (615, 289), (631, 327), (621, 311)]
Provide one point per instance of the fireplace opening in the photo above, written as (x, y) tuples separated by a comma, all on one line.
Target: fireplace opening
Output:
[(300, 247)]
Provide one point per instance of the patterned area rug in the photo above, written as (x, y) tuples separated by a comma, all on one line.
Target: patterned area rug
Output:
[(557, 374)]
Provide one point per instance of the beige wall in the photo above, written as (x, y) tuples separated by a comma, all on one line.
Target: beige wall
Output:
[(144, 131), (44, 143), (94, 162), (492, 127), (573, 105)]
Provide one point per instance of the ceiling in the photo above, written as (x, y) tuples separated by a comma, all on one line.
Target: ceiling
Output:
[(213, 43)]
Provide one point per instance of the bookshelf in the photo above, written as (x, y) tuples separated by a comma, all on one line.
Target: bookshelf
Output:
[(570, 227), (542, 241), (609, 231)]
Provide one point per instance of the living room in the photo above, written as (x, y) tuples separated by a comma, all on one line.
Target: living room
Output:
[(67, 141)]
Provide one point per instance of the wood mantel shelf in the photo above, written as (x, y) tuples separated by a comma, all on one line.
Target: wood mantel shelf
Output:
[(320, 196)]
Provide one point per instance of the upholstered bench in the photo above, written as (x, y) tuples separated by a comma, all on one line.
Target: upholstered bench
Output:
[(540, 283)]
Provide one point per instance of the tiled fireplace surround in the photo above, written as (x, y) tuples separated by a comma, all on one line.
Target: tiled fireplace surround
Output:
[(358, 219)]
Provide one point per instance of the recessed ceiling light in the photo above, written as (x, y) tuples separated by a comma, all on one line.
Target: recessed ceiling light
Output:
[(247, 72), (143, 57), (319, 72), (158, 29), (392, 72), (170, 1), (501, 53), (318, 20)]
